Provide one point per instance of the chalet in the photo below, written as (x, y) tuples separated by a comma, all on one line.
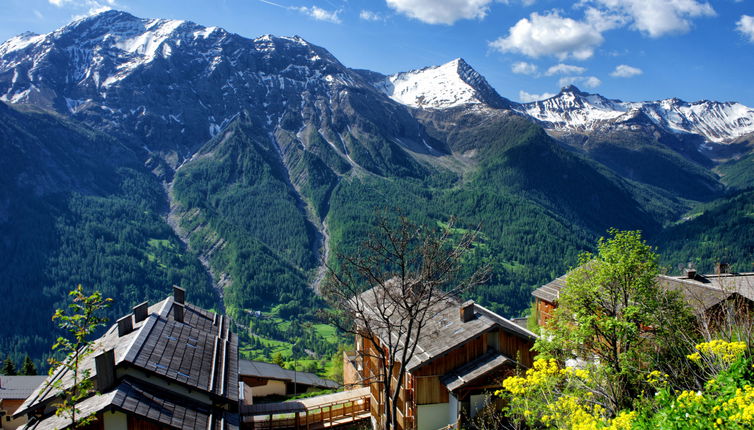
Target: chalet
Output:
[(464, 353), (170, 365), (709, 296), (262, 379), (13, 391)]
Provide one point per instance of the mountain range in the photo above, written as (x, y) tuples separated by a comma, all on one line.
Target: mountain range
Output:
[(144, 152)]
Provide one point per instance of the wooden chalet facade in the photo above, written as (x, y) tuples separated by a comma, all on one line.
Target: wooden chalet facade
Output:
[(171, 365), (710, 296), (455, 367)]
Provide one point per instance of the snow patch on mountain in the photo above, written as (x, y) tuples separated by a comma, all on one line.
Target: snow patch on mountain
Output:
[(20, 42)]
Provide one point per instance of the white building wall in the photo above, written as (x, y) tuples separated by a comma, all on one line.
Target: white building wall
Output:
[(115, 421), (433, 417), (453, 408)]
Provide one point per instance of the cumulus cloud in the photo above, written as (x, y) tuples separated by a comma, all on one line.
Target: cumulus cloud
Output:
[(320, 14), (586, 81), (745, 26), (525, 97), (626, 71), (564, 69), (550, 35), (368, 15), (524, 68), (441, 11), (658, 17)]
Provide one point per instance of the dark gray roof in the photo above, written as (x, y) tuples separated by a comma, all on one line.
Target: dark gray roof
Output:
[(261, 369), (444, 330), (150, 404), (473, 370), (19, 387), (200, 353)]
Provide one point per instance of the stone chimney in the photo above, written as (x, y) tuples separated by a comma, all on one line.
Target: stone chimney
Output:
[(125, 325), (179, 294), (467, 311), (178, 312), (104, 364), (140, 312)]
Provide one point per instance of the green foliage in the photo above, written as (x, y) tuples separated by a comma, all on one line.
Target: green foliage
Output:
[(277, 358), (28, 368), (738, 173), (609, 305), (9, 367), (115, 239), (720, 231), (726, 400), (79, 321)]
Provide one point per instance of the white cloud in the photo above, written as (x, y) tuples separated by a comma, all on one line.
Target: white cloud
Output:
[(659, 17), (626, 71), (564, 69), (586, 81), (525, 97), (592, 82), (524, 68), (745, 26), (38, 14), (368, 15), (550, 34), (320, 14), (603, 20), (92, 7), (441, 11)]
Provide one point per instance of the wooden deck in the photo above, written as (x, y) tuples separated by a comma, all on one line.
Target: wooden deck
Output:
[(320, 412)]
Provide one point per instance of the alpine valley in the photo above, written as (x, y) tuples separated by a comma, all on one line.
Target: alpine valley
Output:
[(141, 153)]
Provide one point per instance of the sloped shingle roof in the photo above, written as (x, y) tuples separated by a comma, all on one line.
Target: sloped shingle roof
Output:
[(19, 387), (200, 352), (261, 369), (150, 404), (475, 369), (444, 330)]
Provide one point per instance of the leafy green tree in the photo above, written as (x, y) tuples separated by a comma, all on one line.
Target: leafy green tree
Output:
[(28, 368), (9, 368), (614, 317), (80, 321), (277, 358)]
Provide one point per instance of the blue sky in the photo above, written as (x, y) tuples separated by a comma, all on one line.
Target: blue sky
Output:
[(627, 49)]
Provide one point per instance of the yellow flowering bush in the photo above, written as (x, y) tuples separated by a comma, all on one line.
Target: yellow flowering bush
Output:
[(551, 396), (718, 349), (726, 402)]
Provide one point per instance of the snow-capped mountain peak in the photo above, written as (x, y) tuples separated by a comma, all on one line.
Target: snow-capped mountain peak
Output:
[(575, 110), (440, 87)]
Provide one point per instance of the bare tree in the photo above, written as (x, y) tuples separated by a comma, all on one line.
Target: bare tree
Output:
[(388, 292)]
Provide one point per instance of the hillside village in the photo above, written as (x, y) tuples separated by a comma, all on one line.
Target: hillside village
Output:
[(174, 365)]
